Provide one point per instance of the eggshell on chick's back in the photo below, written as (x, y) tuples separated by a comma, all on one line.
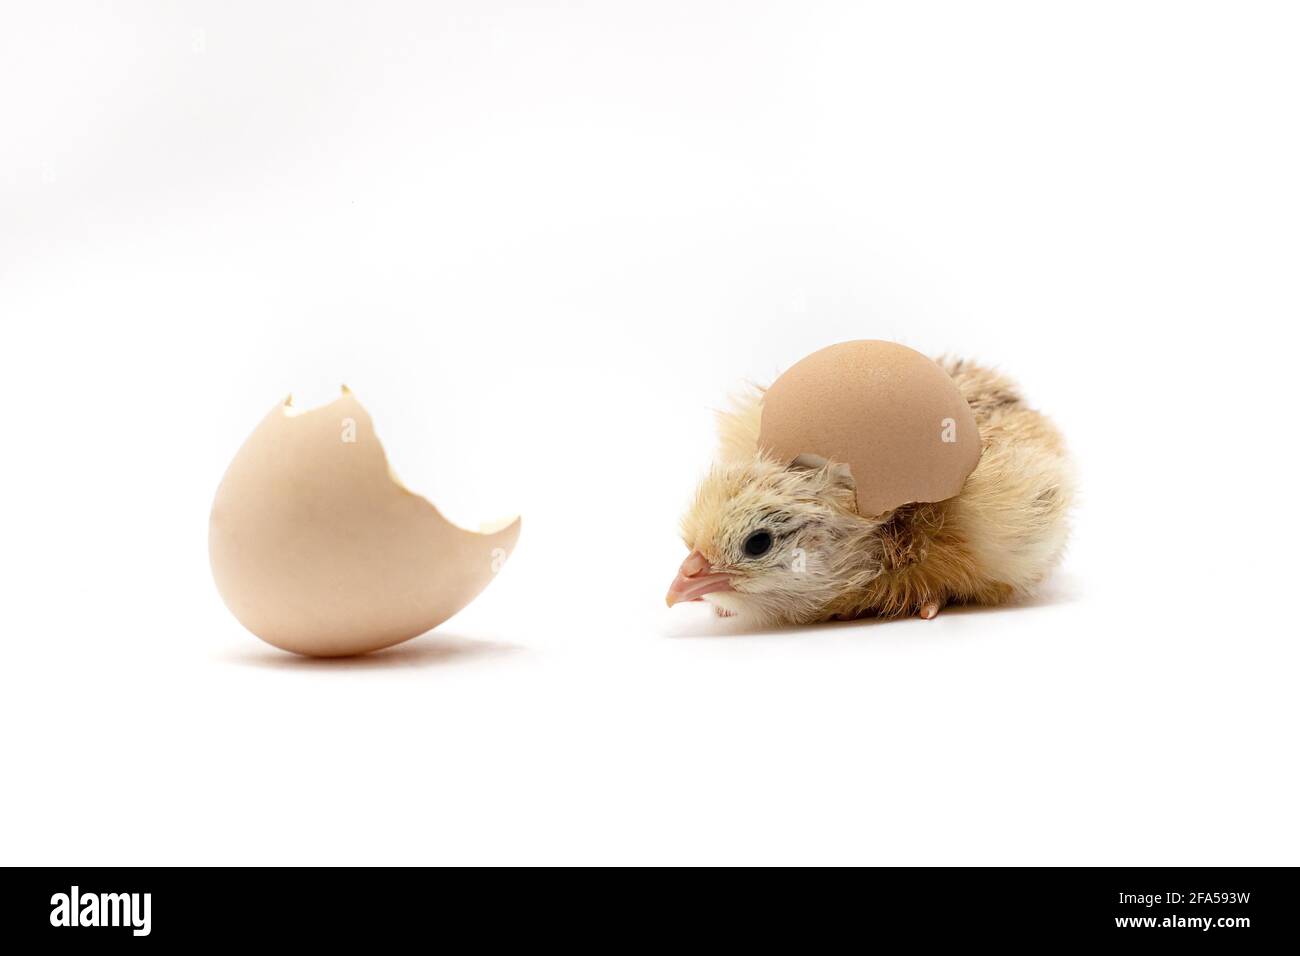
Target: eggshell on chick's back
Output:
[(317, 549), (890, 413)]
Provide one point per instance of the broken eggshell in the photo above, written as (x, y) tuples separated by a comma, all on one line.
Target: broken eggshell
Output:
[(317, 548), (891, 415)]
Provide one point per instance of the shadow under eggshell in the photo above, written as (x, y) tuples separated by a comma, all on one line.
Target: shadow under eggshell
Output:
[(316, 549)]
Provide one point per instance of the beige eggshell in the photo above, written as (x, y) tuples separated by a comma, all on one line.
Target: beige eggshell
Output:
[(317, 549), (888, 412)]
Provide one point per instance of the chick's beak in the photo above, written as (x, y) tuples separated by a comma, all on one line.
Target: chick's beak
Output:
[(695, 578)]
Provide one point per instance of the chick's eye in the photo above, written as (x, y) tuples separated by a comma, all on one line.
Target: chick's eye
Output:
[(758, 543)]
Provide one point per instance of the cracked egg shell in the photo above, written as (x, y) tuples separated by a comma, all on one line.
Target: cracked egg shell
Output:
[(890, 413), (317, 548)]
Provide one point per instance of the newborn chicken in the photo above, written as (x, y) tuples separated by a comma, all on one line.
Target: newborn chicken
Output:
[(785, 543)]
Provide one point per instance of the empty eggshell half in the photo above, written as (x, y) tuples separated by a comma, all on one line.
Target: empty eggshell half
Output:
[(890, 413), (317, 549)]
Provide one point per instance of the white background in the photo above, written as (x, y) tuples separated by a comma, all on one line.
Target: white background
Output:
[(541, 242)]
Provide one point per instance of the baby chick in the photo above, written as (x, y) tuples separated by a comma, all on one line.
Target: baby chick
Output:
[(784, 543)]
